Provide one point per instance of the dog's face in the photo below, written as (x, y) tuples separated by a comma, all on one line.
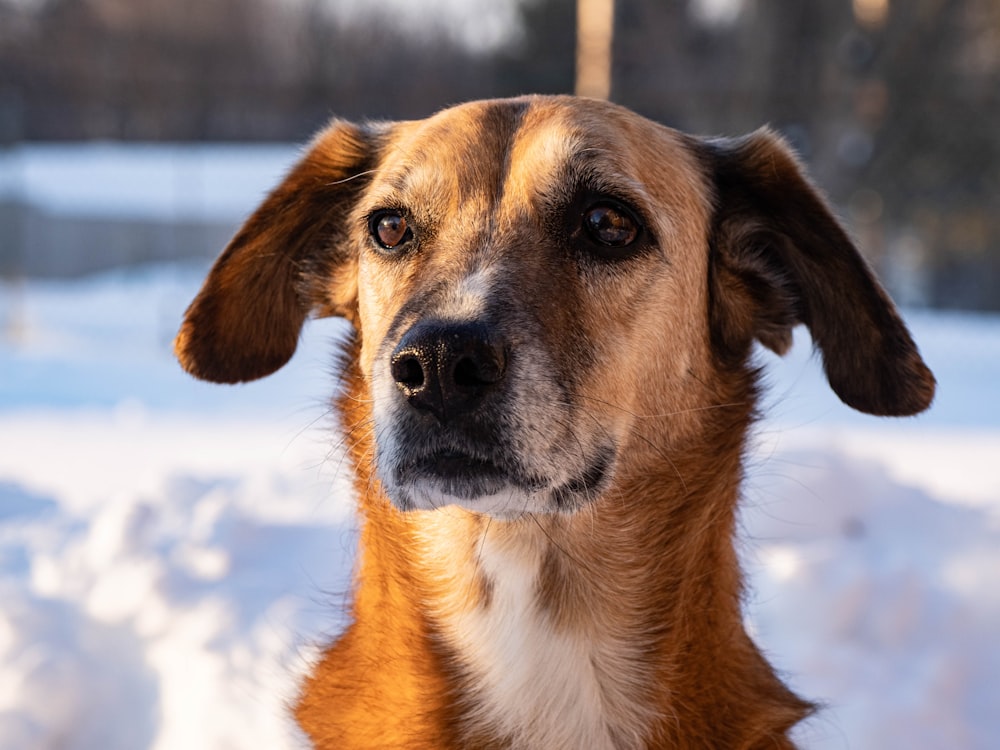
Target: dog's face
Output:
[(545, 288), (521, 271)]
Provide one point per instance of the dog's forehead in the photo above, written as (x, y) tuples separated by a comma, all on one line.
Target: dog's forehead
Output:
[(483, 150), (450, 156)]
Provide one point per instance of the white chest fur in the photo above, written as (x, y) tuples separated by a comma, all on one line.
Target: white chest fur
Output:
[(547, 685)]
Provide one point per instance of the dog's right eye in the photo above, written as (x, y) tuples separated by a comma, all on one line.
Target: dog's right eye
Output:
[(610, 225), (609, 229), (389, 229)]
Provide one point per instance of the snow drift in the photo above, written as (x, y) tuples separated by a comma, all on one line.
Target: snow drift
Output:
[(172, 553)]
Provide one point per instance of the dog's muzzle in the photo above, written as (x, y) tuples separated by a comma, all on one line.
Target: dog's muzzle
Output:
[(451, 375), (462, 426)]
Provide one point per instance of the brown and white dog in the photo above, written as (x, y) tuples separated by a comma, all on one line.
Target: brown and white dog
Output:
[(547, 397)]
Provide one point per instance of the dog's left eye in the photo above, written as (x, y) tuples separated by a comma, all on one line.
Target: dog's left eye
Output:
[(610, 225), (390, 229)]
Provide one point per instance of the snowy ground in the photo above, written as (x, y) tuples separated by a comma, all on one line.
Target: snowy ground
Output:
[(171, 552)]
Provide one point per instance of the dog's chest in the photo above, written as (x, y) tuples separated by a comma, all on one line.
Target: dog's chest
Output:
[(542, 683)]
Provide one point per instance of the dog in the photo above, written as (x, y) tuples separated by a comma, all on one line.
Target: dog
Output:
[(546, 399)]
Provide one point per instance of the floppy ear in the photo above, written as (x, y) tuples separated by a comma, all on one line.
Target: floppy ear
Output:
[(289, 259), (779, 258)]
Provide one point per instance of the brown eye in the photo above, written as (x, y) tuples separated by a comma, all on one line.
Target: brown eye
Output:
[(609, 225), (390, 229)]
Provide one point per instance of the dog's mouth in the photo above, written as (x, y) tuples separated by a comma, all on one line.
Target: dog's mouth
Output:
[(464, 476), (571, 494), (493, 485)]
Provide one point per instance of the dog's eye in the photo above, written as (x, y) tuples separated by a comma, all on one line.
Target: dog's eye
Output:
[(610, 225), (390, 229)]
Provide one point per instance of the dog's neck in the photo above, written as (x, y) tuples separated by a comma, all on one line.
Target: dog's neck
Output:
[(566, 625), (560, 631)]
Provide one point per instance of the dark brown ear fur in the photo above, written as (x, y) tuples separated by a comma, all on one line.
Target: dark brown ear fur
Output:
[(283, 264), (780, 258)]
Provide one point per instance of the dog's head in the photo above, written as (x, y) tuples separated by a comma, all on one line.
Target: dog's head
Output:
[(543, 287)]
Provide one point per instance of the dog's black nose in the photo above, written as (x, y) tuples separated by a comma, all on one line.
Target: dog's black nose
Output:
[(446, 368)]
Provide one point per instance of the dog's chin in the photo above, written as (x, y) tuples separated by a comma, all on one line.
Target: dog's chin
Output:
[(482, 487), (506, 503)]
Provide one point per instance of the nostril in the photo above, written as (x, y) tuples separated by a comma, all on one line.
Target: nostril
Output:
[(407, 371), (466, 373), (477, 371)]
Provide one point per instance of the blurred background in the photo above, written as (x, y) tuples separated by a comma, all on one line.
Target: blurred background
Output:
[(173, 553), (895, 106)]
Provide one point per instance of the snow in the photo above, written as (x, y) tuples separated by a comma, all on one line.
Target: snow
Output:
[(172, 553), (219, 182)]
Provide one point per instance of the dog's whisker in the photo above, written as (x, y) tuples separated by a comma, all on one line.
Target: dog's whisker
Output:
[(366, 173), (661, 415), (639, 435), (579, 563)]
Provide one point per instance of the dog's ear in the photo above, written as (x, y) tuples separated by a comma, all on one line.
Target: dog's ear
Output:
[(779, 258), (291, 258)]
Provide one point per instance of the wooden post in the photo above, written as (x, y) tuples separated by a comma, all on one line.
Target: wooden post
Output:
[(595, 20)]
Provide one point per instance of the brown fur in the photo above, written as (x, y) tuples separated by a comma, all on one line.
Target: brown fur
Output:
[(650, 353)]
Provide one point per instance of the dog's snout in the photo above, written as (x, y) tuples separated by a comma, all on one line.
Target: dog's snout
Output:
[(446, 369)]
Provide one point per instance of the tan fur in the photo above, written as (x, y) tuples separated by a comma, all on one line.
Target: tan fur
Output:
[(600, 607)]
